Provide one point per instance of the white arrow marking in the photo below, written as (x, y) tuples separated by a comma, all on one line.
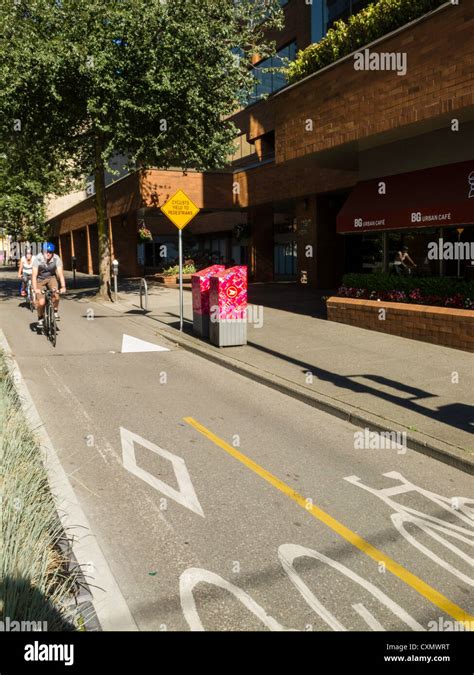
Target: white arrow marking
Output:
[(185, 495), (131, 345)]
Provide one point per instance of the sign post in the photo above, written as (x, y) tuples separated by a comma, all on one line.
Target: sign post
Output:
[(181, 297), (180, 210)]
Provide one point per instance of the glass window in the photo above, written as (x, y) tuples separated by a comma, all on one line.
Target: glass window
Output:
[(243, 149), (342, 9), (267, 82), (285, 261), (364, 253)]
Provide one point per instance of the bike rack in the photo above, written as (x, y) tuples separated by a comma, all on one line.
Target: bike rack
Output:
[(143, 289)]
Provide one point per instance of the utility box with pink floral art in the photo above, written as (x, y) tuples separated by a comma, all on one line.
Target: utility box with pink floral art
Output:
[(228, 307), (200, 286)]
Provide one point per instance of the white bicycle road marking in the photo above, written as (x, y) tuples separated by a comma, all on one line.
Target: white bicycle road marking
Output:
[(399, 519), (132, 345), (430, 525), (195, 575), (186, 495), (287, 554)]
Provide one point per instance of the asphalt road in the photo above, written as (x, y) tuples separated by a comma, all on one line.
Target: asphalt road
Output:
[(223, 505)]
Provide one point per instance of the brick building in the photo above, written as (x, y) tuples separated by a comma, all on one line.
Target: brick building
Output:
[(332, 174)]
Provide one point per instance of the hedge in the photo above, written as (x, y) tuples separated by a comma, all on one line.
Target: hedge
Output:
[(371, 23), (437, 291)]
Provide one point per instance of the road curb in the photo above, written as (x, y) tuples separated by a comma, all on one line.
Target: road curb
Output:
[(110, 606), (427, 445)]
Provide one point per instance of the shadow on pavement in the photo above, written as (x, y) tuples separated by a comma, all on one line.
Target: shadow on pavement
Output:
[(458, 415), (290, 297)]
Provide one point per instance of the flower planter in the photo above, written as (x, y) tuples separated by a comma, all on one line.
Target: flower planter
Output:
[(438, 325), (172, 280)]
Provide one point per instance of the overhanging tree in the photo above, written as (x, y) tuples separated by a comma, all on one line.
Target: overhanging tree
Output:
[(25, 179), (152, 79)]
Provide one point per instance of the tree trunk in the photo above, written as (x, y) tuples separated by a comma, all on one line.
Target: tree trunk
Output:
[(102, 225)]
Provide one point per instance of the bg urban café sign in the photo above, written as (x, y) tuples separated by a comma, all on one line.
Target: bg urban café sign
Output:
[(438, 197)]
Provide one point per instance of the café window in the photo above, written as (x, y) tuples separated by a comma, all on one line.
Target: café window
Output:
[(364, 253), (445, 251)]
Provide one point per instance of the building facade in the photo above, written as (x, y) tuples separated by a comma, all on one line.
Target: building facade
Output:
[(332, 174)]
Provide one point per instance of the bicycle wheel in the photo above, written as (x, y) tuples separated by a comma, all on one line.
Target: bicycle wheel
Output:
[(45, 321), (52, 324), (31, 297)]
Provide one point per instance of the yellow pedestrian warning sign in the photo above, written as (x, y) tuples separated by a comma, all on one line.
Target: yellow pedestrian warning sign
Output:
[(180, 210)]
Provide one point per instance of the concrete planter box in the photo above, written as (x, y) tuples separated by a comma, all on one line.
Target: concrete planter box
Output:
[(438, 325)]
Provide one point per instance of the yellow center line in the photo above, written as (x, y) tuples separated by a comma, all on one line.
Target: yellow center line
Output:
[(420, 586)]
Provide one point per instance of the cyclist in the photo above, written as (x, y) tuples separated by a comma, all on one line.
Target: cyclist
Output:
[(47, 270), (25, 270)]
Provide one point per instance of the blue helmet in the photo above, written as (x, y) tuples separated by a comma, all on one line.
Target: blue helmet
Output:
[(49, 247)]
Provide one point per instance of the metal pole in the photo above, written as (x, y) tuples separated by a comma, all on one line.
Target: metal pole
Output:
[(181, 280), (115, 286), (143, 289)]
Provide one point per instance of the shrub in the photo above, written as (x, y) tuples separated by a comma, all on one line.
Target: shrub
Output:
[(188, 268), (361, 29), (438, 291)]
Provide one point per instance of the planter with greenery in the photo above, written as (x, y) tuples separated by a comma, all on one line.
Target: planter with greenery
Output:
[(170, 276), (435, 291), (371, 23)]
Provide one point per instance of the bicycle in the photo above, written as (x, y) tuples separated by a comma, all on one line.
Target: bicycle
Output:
[(30, 296), (49, 320)]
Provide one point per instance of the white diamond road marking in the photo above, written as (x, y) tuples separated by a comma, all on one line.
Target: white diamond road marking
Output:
[(131, 345), (186, 495)]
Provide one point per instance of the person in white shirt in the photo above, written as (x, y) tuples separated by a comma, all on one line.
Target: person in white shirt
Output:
[(25, 271)]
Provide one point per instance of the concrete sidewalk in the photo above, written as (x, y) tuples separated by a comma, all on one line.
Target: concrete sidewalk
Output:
[(381, 381)]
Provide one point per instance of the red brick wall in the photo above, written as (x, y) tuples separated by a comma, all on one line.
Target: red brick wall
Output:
[(212, 190), (439, 325), (122, 196), (125, 245), (299, 178), (297, 27), (348, 105)]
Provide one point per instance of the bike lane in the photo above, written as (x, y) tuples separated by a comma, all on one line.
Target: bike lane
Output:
[(194, 537)]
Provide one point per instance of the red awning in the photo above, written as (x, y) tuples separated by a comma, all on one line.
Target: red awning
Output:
[(436, 197)]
